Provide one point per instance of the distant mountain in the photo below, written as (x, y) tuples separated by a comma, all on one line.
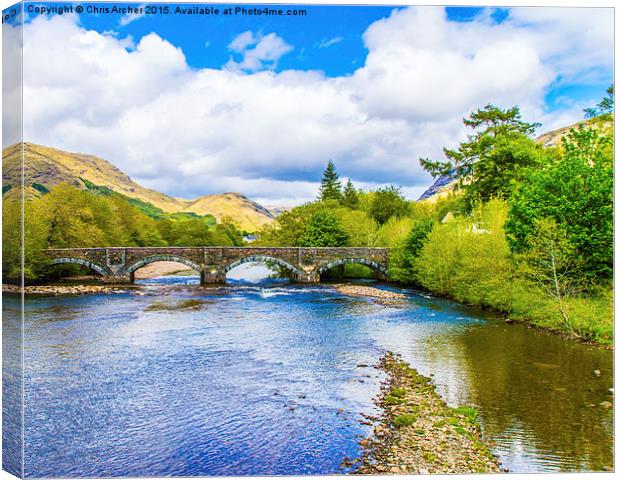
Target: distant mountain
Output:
[(46, 167), (445, 183), (246, 213)]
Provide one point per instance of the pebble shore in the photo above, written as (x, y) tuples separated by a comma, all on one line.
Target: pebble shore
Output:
[(63, 289), (418, 433), (363, 291)]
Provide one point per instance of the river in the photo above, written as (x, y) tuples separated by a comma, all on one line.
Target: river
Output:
[(272, 378)]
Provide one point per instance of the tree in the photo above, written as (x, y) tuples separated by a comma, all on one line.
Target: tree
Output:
[(350, 197), (323, 230), (417, 238), (330, 184), (552, 264), (604, 107), (402, 258), (493, 157), (388, 202), (577, 193)]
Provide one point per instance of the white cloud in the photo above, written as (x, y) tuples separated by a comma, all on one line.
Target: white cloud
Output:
[(196, 131), (328, 42), (242, 41), (265, 54), (132, 16)]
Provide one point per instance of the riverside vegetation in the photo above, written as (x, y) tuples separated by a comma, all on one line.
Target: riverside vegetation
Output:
[(527, 230)]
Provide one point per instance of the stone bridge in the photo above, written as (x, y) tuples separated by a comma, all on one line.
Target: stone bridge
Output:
[(305, 265)]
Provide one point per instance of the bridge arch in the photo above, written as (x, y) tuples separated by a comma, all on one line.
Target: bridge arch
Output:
[(79, 261), (263, 259), (376, 267), (163, 258)]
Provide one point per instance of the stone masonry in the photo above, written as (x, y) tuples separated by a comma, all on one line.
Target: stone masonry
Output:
[(305, 265)]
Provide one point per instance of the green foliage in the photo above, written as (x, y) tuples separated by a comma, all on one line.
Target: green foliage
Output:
[(350, 196), (403, 258), (403, 420), (492, 159), (577, 193), (392, 400), (398, 392), (330, 184), (388, 202), (68, 217), (361, 230), (552, 264), (323, 230), (470, 412), (604, 107), (290, 226)]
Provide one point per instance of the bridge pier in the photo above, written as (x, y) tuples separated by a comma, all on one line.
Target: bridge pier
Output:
[(118, 278), (211, 278), (304, 277)]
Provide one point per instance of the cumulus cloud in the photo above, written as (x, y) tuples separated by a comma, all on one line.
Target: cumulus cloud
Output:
[(265, 53), (244, 127)]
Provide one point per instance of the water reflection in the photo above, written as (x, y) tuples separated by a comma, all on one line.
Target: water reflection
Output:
[(270, 379)]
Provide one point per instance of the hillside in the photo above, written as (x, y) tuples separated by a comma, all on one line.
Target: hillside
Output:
[(444, 184), (246, 213), (46, 167)]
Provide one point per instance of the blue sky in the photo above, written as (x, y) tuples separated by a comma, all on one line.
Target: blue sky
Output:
[(373, 88)]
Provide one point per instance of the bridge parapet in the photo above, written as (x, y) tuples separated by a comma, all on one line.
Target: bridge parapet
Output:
[(118, 264)]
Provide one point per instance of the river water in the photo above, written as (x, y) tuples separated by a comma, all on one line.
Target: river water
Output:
[(271, 378)]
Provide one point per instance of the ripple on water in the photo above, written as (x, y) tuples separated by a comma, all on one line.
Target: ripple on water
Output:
[(261, 380)]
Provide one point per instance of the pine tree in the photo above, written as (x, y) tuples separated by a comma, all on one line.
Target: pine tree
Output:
[(350, 197), (330, 184)]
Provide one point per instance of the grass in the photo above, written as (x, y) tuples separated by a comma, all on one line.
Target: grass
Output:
[(391, 400), (470, 412), (398, 392), (403, 420)]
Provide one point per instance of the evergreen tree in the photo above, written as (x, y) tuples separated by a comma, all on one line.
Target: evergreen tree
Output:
[(493, 157), (330, 184), (350, 198)]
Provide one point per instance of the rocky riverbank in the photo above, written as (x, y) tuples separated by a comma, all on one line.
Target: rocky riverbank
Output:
[(419, 433), (65, 289), (364, 291)]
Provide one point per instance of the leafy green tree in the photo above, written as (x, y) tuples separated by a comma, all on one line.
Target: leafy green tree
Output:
[(12, 240), (359, 227), (417, 238), (551, 262), (388, 202), (77, 219), (330, 184), (402, 259), (290, 225), (577, 193), (604, 107), (493, 157), (350, 197), (323, 230)]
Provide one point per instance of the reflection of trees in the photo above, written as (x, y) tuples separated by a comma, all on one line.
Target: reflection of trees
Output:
[(542, 385)]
